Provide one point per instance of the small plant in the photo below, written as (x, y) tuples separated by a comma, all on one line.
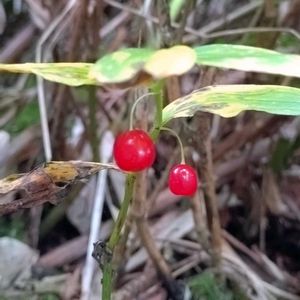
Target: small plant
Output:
[(134, 150), (207, 286)]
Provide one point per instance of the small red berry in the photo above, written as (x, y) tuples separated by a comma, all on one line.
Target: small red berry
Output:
[(183, 180), (134, 150)]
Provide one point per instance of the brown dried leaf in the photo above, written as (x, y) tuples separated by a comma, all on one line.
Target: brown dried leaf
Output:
[(47, 183), (10, 183)]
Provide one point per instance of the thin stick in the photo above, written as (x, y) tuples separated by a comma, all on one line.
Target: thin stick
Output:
[(200, 227), (40, 88), (2, 18), (90, 264), (152, 250), (202, 33), (208, 175)]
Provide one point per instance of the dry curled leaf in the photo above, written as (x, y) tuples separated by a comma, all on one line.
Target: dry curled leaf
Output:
[(47, 183)]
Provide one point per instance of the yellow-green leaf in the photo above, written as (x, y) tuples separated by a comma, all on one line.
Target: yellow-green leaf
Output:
[(74, 74), (124, 65), (230, 100), (120, 66), (248, 58)]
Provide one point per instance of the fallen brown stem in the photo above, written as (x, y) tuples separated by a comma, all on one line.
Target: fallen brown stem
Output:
[(204, 146), (201, 229), (134, 287), (139, 212)]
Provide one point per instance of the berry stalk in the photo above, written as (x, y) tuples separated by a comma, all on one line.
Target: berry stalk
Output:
[(179, 142), (108, 269)]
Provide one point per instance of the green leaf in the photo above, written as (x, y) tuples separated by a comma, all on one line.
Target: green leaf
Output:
[(127, 64), (206, 286), (175, 7), (120, 66), (283, 152), (248, 58), (14, 227), (74, 74), (230, 100), (28, 116)]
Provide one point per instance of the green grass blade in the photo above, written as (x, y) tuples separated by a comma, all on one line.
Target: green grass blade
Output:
[(230, 100), (175, 7), (248, 58), (74, 74)]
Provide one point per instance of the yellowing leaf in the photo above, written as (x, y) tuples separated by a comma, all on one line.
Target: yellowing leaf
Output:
[(10, 183), (230, 100), (120, 66), (61, 171), (169, 62), (74, 74)]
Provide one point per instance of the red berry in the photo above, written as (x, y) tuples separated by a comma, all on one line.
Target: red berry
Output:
[(134, 151), (183, 180)]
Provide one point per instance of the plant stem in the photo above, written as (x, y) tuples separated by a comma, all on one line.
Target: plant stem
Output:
[(108, 269), (179, 142), (115, 236), (157, 90), (134, 107), (94, 140), (107, 280)]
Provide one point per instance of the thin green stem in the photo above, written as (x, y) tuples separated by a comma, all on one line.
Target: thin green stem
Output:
[(157, 89), (179, 142), (108, 269), (107, 281), (115, 236)]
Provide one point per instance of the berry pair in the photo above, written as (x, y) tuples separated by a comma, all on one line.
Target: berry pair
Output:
[(134, 151)]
